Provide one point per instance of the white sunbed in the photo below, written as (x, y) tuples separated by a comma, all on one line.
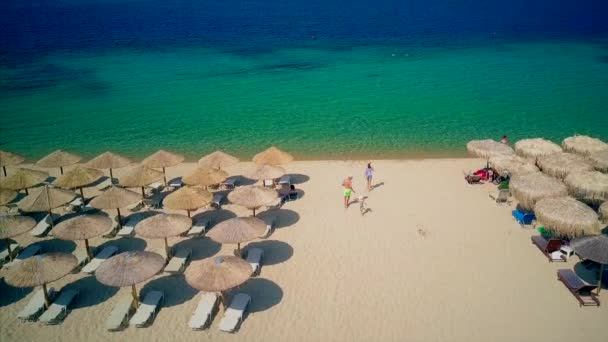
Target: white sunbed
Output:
[(199, 227), (254, 258), (35, 306), (42, 227), (59, 308), (4, 253), (100, 257), (120, 314), (229, 183), (129, 227), (147, 309), (270, 221), (218, 198), (178, 261), (269, 183), (28, 252), (176, 183), (234, 314), (285, 180), (75, 204), (201, 317)]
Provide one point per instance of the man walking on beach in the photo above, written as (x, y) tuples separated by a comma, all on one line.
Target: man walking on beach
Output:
[(348, 190)]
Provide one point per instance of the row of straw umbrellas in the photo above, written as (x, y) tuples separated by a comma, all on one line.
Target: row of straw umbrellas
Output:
[(560, 184), (128, 269)]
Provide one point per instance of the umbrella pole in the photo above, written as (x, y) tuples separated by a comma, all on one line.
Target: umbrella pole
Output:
[(135, 297), (599, 284), (167, 249), (238, 249), (223, 300), (253, 212), (164, 176), (61, 169), (52, 220), (47, 302), (4, 169), (111, 177), (10, 253), (26, 192), (86, 245), (188, 211), (82, 193), (143, 194), (119, 220)]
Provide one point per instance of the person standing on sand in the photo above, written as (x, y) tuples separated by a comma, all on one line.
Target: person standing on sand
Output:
[(369, 174), (348, 190)]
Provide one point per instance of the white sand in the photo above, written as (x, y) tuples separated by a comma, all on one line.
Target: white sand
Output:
[(435, 260)]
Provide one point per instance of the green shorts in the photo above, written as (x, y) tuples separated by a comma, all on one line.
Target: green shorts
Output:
[(347, 192)]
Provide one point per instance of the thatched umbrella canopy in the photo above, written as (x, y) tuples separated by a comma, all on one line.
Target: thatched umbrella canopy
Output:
[(41, 270), (58, 159), (599, 159), (218, 274), (590, 186), (13, 225), (252, 197), (217, 160), (487, 148), (83, 227), (583, 145), (163, 226), (537, 147), (566, 216), (205, 177), (78, 177), (9, 159), (46, 198), (603, 211), (7, 195), (23, 179), (267, 172), (237, 230), (129, 269), (109, 160), (140, 176), (512, 164), (162, 159), (115, 198), (594, 248), (187, 198), (561, 164), (272, 156), (531, 187)]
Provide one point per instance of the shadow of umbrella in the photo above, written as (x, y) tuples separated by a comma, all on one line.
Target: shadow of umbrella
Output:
[(11, 294), (56, 245), (243, 181), (284, 217), (126, 244), (176, 289), (201, 248), (275, 252), (297, 178), (91, 292), (264, 293), (142, 214), (590, 275), (215, 216)]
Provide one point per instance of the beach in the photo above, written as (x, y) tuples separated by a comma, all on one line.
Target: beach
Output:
[(434, 260)]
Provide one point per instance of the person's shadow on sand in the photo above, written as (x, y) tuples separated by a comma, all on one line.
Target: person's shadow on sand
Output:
[(377, 185)]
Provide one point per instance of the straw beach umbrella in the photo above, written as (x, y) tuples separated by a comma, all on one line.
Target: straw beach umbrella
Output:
[(162, 159), (115, 198), (487, 148), (78, 177), (58, 159), (7, 195), (40, 270), (163, 226), (599, 159), (23, 179), (531, 187), (45, 199), (264, 172), (537, 147), (603, 211), (130, 269), (188, 199), (218, 274), (591, 186), (511, 163), (561, 164), (13, 225), (205, 177), (9, 159), (594, 248), (140, 176), (109, 160), (217, 160), (252, 197), (272, 156), (237, 230), (567, 216), (583, 145), (83, 227)]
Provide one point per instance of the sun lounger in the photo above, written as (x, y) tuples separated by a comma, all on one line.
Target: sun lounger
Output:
[(42, 227), (285, 181), (199, 227), (550, 248), (230, 183), (579, 288), (234, 314), (4, 253), (152, 203), (201, 317), (147, 309), (254, 258), (28, 252), (178, 262), (270, 221), (129, 227), (59, 308), (218, 198), (100, 257), (112, 232), (137, 206), (176, 182), (35, 306), (120, 314), (269, 183), (502, 197), (523, 217)]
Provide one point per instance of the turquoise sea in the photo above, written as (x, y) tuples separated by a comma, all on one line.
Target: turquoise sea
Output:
[(409, 92)]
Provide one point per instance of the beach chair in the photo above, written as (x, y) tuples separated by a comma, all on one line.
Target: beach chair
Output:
[(43, 226), (113, 230), (285, 181), (550, 248), (270, 221), (129, 227), (178, 261), (35, 306), (218, 198), (502, 197), (207, 305), (59, 308), (199, 227), (523, 217), (233, 316), (4, 253), (147, 309), (120, 314), (28, 252), (176, 183), (581, 290), (229, 183), (75, 205), (137, 206), (254, 258), (269, 183), (100, 257)]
